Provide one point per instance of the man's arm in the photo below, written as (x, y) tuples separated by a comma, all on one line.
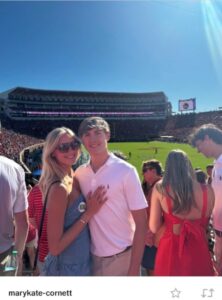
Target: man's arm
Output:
[(156, 219), (20, 211), (140, 219), (21, 231)]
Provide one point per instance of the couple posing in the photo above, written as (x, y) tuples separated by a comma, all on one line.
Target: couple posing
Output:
[(97, 215)]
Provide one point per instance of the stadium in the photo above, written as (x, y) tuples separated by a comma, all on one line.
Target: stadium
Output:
[(28, 114), (144, 113), (132, 116)]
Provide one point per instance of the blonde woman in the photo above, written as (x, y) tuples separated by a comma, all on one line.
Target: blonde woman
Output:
[(186, 206), (68, 213)]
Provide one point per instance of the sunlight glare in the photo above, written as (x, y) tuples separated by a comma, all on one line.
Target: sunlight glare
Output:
[(213, 28)]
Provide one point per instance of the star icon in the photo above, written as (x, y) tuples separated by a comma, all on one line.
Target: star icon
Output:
[(175, 293)]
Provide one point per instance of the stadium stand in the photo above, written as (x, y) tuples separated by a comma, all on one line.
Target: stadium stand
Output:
[(27, 115), (181, 125), (145, 113)]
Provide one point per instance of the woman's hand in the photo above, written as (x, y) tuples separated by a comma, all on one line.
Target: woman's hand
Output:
[(95, 200)]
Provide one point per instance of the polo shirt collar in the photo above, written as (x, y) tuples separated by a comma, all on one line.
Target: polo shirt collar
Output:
[(110, 160)]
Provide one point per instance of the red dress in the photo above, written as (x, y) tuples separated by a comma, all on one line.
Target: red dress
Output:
[(186, 253)]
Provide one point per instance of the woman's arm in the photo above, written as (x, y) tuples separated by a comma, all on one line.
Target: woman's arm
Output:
[(155, 211), (58, 240), (211, 199)]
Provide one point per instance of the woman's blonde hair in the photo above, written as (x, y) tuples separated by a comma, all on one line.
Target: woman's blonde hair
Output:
[(179, 176), (52, 170)]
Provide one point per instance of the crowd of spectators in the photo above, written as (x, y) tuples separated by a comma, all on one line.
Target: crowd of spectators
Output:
[(13, 143), (122, 129), (181, 125)]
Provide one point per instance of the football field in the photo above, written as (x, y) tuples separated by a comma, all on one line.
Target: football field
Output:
[(141, 151)]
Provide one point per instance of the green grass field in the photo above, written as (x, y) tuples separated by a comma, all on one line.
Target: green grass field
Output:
[(142, 151)]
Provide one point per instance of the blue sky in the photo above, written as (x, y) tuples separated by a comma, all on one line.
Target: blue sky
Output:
[(115, 46)]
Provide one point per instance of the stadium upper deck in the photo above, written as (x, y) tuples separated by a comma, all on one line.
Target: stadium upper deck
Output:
[(35, 104)]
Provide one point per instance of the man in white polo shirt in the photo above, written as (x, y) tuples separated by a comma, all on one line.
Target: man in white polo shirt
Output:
[(208, 140), (118, 229), (13, 211)]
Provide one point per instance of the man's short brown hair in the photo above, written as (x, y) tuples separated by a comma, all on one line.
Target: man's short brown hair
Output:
[(214, 133), (93, 122)]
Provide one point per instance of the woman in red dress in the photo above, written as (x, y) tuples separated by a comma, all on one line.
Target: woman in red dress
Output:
[(184, 206)]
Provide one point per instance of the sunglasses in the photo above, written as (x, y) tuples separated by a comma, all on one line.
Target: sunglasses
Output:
[(64, 148)]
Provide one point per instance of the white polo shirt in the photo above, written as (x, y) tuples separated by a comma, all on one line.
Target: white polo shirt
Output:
[(112, 228), (13, 199), (217, 187)]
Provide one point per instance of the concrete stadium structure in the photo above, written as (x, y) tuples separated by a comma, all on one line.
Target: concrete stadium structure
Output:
[(20, 103), (132, 116)]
